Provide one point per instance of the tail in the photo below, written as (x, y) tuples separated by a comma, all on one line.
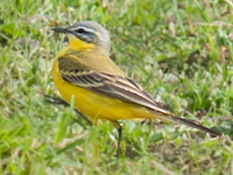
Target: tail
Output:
[(171, 117)]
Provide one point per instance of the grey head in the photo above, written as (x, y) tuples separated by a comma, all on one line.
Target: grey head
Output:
[(90, 32)]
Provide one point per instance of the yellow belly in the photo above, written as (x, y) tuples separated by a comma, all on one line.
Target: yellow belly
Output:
[(97, 106)]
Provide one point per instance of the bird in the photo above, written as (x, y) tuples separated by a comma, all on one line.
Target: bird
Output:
[(102, 91)]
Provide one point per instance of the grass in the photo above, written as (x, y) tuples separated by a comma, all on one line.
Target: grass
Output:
[(180, 51)]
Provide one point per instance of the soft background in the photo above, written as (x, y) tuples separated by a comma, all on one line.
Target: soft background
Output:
[(180, 51)]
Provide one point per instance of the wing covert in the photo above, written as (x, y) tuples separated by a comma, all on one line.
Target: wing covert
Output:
[(112, 85)]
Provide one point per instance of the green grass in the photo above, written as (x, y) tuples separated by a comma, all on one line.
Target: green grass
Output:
[(180, 51)]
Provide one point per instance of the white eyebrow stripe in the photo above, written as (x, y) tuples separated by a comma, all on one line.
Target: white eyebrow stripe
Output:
[(87, 29)]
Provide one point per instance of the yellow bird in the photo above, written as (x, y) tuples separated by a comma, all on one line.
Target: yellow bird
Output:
[(101, 89)]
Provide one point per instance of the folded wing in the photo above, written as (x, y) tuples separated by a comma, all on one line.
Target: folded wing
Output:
[(112, 85)]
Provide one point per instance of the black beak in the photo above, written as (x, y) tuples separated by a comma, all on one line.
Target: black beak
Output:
[(60, 29)]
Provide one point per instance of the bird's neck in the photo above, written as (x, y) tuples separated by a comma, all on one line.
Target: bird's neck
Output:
[(77, 44)]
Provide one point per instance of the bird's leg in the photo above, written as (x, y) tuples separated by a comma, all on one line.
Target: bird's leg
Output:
[(119, 141), (119, 129)]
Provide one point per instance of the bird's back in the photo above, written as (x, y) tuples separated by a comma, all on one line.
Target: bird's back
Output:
[(88, 60)]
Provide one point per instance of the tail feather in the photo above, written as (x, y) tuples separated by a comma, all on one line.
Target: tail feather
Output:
[(197, 126), (171, 117)]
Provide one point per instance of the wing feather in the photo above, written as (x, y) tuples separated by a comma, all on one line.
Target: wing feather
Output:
[(112, 85)]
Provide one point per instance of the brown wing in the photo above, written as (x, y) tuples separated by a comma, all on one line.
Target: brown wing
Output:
[(111, 85)]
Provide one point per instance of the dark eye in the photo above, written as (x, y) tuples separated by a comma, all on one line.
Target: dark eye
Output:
[(80, 30)]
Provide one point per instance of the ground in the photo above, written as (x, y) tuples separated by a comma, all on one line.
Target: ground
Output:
[(180, 51)]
